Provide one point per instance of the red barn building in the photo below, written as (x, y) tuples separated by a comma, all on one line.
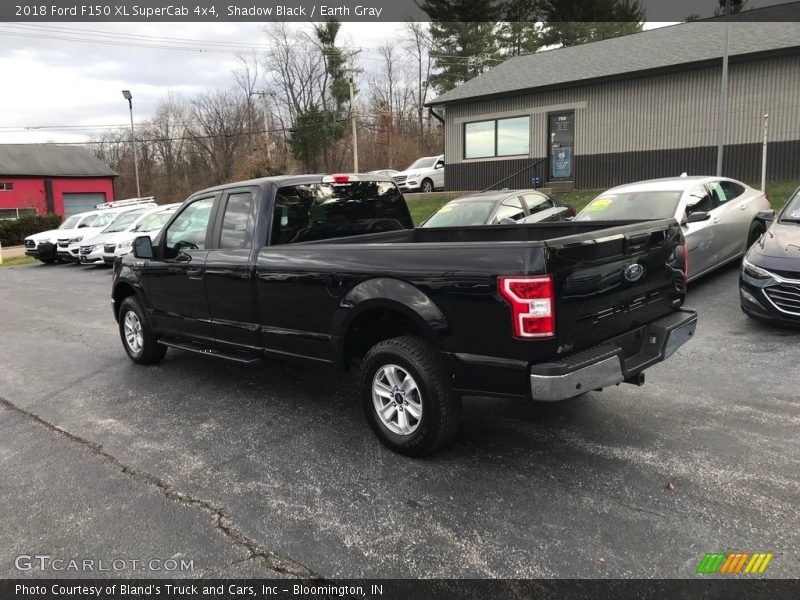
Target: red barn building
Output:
[(45, 178)]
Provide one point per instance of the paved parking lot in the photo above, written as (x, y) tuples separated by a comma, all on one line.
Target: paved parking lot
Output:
[(272, 471)]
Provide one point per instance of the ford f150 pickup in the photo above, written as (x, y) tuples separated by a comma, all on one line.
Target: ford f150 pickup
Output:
[(330, 269)]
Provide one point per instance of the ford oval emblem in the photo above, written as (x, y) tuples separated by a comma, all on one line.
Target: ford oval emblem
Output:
[(634, 272)]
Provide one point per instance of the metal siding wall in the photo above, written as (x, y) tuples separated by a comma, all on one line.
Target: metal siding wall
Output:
[(671, 111)]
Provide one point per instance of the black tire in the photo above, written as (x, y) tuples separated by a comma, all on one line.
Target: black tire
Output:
[(441, 408), (426, 187), (757, 229), (150, 352)]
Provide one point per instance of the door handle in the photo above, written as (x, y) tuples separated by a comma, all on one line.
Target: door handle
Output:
[(194, 273), (743, 206), (716, 219)]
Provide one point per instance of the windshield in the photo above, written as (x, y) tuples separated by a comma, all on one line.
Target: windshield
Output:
[(101, 220), (123, 222), (463, 213), (791, 213), (623, 206), (423, 163), (153, 222), (70, 223)]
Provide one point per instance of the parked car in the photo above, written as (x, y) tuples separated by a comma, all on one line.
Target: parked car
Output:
[(426, 174), (42, 245), (92, 250), (148, 224), (769, 283), (719, 216), (387, 172), (503, 207), (69, 248), (428, 315)]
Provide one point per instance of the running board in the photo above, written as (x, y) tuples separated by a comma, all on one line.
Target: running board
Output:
[(243, 358)]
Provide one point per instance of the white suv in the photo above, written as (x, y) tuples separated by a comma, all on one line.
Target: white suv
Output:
[(69, 246), (426, 174), (148, 224)]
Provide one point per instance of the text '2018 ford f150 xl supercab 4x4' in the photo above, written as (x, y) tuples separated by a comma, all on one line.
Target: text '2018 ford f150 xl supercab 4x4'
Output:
[(331, 269)]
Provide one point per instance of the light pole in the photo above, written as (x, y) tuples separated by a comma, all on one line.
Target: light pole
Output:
[(127, 95)]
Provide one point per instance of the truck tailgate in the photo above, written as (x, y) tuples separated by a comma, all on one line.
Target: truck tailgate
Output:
[(610, 284)]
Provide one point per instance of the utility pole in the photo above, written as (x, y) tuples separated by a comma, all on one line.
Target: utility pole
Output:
[(722, 119), (351, 72), (263, 96)]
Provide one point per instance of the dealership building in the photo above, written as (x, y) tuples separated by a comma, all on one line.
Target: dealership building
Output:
[(635, 107), (46, 178)]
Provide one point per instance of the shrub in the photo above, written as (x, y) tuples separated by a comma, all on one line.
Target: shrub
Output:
[(14, 232)]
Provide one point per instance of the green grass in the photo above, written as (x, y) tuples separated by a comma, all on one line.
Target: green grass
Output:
[(17, 260), (422, 208)]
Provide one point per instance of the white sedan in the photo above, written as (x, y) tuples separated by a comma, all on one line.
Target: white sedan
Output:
[(719, 216)]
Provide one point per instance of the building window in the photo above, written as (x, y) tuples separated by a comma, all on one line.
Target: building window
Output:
[(7, 186), (498, 137)]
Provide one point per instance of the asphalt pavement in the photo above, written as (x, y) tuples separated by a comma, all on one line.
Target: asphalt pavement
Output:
[(271, 470)]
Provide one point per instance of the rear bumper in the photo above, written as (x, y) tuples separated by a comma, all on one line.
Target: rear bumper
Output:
[(613, 362)]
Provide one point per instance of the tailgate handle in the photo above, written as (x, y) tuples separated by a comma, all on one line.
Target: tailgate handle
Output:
[(632, 241)]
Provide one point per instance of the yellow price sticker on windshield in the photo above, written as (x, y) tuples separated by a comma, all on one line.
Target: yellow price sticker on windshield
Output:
[(600, 204), (446, 209)]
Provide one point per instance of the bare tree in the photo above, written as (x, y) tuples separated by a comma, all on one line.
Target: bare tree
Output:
[(418, 44), (218, 128)]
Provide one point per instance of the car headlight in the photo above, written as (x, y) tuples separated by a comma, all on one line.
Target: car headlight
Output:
[(76, 240), (754, 271), (127, 244)]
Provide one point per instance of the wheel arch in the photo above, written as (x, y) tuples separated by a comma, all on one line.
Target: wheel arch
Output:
[(381, 309)]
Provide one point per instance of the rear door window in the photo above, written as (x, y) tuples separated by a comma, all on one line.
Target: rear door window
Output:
[(731, 189), (319, 211), (511, 208), (237, 222), (538, 202)]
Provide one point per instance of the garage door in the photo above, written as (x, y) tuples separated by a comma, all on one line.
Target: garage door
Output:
[(78, 203)]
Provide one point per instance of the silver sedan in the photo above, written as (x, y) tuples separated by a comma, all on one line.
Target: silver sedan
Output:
[(719, 216)]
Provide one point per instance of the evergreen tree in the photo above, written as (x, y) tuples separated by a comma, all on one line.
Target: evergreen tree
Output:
[(573, 22), (463, 40)]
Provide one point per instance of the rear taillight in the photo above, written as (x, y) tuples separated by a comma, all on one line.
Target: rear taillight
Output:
[(532, 304), (685, 263)]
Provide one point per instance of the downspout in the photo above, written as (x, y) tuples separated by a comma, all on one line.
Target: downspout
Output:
[(436, 115)]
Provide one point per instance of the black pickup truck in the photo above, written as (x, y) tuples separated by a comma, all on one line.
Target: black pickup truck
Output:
[(330, 269)]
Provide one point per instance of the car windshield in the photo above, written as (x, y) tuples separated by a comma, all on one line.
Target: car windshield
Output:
[(70, 223), (461, 213), (791, 213), (123, 222), (423, 163), (153, 222), (623, 206)]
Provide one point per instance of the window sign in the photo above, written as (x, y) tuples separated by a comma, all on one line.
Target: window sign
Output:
[(561, 160), (479, 139), (513, 136)]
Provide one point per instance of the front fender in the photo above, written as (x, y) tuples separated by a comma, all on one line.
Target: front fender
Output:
[(384, 292)]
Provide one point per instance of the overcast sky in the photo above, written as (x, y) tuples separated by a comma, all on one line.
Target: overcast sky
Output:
[(57, 82)]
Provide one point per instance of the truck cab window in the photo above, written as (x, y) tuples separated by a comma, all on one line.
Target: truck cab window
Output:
[(188, 230), (320, 211), (237, 223)]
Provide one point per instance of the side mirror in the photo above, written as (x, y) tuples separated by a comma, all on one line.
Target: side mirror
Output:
[(143, 247), (766, 215), (507, 221), (439, 166), (698, 216)]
